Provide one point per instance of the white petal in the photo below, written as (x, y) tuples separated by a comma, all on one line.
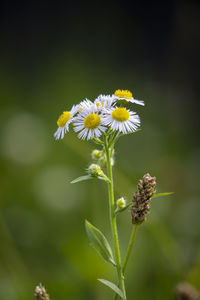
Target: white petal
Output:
[(140, 102)]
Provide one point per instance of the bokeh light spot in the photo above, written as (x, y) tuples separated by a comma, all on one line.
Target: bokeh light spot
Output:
[(53, 189), (24, 139)]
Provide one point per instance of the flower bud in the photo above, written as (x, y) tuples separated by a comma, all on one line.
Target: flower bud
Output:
[(103, 161), (95, 171), (112, 161), (142, 199), (121, 203), (96, 154)]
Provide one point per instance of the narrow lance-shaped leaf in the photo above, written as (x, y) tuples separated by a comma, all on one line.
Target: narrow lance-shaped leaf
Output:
[(82, 178), (162, 194), (88, 177), (99, 243), (113, 287)]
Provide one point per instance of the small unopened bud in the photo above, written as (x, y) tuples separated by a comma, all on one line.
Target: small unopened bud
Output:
[(96, 171), (96, 154), (40, 293), (112, 161), (103, 161), (121, 203), (142, 199), (185, 291)]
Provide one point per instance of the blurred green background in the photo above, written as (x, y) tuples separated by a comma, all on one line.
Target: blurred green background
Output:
[(53, 55)]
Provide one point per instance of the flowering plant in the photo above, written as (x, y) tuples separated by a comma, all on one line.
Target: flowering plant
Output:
[(104, 121)]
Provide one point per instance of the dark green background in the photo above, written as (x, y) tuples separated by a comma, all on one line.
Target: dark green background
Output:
[(54, 55)]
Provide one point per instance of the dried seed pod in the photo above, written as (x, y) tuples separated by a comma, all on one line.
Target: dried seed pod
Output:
[(40, 293), (185, 291)]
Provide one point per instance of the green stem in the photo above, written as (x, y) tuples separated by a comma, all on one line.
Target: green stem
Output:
[(113, 221), (130, 246), (115, 139)]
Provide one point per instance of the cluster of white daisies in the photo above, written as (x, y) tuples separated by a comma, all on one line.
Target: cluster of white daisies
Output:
[(91, 119)]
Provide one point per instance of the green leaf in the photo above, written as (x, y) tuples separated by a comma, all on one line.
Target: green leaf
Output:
[(124, 208), (88, 177), (162, 194), (82, 178), (113, 287), (99, 242)]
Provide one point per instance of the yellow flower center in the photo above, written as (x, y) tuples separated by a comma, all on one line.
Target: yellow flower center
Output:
[(123, 94), (63, 118), (98, 103), (92, 121), (120, 114)]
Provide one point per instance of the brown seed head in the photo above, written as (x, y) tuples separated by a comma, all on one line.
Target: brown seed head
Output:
[(142, 198), (40, 293), (185, 291)]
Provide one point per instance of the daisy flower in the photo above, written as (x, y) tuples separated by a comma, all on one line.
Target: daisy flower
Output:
[(63, 122), (121, 119), (104, 101), (126, 95), (89, 123), (85, 103)]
